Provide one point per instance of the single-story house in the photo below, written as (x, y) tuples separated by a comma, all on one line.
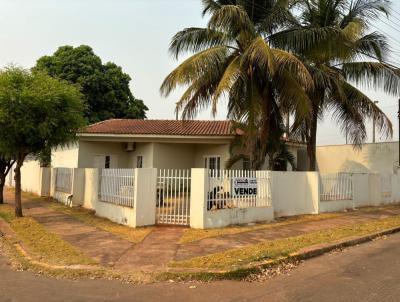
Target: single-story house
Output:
[(172, 144)]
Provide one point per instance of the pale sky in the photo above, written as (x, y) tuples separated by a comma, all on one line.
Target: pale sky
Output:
[(135, 34)]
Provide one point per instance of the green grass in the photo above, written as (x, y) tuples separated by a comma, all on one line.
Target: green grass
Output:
[(192, 235), (41, 244), (276, 249)]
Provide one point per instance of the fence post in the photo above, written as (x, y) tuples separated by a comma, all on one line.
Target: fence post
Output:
[(91, 188), (78, 186), (53, 175), (145, 196), (198, 198), (45, 181)]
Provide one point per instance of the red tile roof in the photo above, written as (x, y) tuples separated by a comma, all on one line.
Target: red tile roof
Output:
[(161, 127)]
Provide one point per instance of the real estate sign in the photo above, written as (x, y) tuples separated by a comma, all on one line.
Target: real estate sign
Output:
[(244, 186)]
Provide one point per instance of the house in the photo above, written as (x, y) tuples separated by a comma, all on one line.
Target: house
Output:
[(172, 144)]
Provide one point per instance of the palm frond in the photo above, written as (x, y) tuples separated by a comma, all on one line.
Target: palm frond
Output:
[(196, 39), (232, 20), (289, 62), (199, 65), (260, 55), (373, 75)]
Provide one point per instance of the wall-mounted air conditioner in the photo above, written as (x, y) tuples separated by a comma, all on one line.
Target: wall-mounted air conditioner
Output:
[(130, 147)]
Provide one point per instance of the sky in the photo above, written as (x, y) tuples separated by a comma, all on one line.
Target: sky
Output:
[(135, 34)]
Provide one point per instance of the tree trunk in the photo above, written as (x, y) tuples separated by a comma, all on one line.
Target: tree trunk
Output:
[(2, 184), (18, 201), (312, 142)]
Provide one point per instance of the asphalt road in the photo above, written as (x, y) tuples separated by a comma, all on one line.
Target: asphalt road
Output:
[(370, 272)]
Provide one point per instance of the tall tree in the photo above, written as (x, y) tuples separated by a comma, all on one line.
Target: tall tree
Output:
[(332, 38), (37, 112), (232, 58), (105, 86)]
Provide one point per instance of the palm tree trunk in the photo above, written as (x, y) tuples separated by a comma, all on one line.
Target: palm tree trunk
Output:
[(18, 201), (312, 141)]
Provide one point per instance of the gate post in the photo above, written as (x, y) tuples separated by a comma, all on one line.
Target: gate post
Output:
[(198, 198), (145, 195)]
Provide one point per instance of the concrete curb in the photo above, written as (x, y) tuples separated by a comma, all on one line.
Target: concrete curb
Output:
[(312, 252), (352, 241), (304, 254)]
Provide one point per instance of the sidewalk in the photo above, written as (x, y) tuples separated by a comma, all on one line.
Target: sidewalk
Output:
[(162, 245), (99, 245)]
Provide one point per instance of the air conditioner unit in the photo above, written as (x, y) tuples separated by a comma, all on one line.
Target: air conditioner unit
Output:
[(130, 147)]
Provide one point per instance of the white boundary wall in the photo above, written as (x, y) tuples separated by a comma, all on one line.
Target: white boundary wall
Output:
[(86, 194), (201, 218), (295, 193), (292, 193), (367, 191), (34, 179)]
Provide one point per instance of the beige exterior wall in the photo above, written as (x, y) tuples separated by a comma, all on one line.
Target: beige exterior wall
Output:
[(89, 150), (380, 158), (201, 151), (66, 157), (175, 156), (146, 150)]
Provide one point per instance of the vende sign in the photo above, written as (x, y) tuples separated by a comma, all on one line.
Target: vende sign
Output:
[(244, 186)]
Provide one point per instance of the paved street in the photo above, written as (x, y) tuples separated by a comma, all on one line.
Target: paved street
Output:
[(370, 272)]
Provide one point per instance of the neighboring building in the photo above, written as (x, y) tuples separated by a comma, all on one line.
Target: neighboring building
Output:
[(379, 157), (172, 144)]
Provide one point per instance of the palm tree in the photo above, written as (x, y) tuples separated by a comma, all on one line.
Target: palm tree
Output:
[(233, 59), (276, 149), (331, 39)]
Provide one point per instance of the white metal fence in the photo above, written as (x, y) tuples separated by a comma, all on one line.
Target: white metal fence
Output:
[(173, 197), (238, 189), (117, 186), (64, 180), (334, 187)]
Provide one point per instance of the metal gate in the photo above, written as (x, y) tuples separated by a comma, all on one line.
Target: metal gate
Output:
[(173, 197)]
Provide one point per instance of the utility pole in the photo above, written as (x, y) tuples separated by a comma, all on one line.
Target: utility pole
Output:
[(374, 126)]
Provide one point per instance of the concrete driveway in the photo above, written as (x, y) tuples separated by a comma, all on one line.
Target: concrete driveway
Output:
[(370, 272)]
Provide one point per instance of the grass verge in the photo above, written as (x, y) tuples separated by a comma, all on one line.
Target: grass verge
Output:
[(134, 235), (41, 244), (276, 249), (192, 235), (21, 263)]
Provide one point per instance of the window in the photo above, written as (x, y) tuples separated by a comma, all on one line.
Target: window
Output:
[(212, 162), (107, 163), (139, 161)]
